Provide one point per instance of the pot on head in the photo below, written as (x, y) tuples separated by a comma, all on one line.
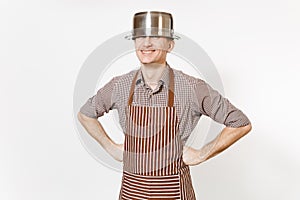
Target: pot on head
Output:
[(152, 24)]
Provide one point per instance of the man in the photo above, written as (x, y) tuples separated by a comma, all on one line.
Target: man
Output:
[(158, 108)]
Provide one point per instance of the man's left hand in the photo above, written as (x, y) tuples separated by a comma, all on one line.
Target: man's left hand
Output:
[(191, 156)]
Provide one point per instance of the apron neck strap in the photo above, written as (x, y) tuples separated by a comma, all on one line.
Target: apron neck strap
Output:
[(170, 91)]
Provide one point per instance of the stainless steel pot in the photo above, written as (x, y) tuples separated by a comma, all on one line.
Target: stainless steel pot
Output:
[(152, 23)]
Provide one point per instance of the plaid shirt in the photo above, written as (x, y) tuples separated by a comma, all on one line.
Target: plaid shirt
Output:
[(193, 98)]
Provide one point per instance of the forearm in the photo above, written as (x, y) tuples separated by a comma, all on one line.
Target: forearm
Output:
[(95, 129), (226, 138)]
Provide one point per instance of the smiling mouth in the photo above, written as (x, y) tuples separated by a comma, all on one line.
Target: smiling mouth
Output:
[(147, 51)]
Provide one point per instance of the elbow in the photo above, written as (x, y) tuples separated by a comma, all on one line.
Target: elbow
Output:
[(83, 118), (246, 129), (80, 117)]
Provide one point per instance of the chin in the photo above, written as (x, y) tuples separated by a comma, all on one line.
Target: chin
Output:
[(148, 60)]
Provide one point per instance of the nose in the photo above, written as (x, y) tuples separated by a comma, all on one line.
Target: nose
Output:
[(147, 41)]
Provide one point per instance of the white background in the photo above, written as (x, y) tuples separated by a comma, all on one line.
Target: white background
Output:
[(254, 44)]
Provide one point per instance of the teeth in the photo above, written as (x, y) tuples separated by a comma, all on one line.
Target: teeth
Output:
[(147, 51)]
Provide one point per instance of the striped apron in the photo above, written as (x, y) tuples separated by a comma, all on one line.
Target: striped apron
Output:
[(152, 161)]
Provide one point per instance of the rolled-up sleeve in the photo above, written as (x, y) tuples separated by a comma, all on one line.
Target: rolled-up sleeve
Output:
[(101, 102), (211, 103)]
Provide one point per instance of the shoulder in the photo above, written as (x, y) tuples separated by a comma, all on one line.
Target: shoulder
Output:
[(121, 84), (124, 78), (187, 79)]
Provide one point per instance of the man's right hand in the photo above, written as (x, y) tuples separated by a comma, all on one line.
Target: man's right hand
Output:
[(95, 129)]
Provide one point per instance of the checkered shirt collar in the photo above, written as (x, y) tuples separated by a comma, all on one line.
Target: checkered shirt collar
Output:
[(163, 80)]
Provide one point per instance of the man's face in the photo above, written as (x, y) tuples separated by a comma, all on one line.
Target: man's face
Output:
[(153, 49)]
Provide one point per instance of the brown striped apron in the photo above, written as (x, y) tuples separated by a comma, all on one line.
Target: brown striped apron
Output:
[(152, 161)]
